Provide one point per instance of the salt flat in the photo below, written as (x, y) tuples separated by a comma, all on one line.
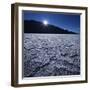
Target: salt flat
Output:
[(51, 54)]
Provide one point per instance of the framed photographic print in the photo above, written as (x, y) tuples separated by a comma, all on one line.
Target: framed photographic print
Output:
[(49, 44)]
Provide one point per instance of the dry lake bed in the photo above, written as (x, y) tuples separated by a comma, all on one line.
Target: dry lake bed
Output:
[(51, 55)]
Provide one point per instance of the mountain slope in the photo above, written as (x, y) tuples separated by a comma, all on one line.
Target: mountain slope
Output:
[(31, 26)]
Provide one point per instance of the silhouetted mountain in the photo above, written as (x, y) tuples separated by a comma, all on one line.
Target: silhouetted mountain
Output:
[(31, 26)]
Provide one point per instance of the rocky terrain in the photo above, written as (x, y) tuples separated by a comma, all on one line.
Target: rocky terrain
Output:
[(51, 54)]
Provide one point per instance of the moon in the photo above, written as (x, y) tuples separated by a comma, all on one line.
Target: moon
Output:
[(45, 22)]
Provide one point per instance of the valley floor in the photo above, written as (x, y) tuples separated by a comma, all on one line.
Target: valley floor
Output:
[(51, 55)]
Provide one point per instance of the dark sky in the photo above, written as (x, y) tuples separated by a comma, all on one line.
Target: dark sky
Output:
[(70, 22)]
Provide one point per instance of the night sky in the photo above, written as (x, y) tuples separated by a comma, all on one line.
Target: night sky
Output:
[(70, 22)]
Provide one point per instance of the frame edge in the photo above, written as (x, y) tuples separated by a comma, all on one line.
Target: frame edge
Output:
[(14, 46)]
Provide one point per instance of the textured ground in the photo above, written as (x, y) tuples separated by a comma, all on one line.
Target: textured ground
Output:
[(51, 54)]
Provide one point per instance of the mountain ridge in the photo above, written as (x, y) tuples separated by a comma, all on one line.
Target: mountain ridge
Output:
[(32, 26)]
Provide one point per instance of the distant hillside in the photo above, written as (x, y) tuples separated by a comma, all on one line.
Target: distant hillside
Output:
[(31, 26)]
